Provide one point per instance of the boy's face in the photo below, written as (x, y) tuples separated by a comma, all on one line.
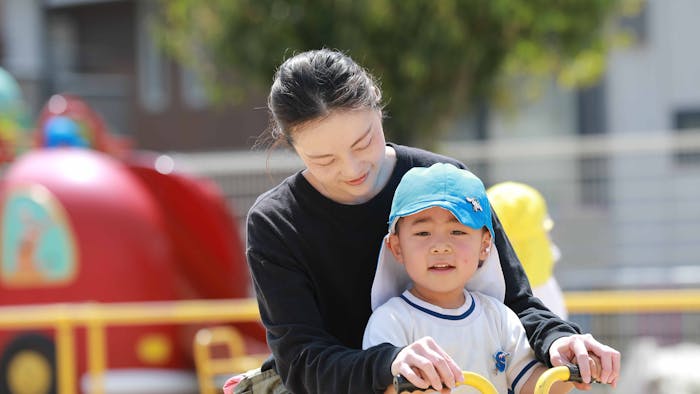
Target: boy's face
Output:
[(440, 254)]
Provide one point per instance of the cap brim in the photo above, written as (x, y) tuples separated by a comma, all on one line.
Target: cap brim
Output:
[(391, 279)]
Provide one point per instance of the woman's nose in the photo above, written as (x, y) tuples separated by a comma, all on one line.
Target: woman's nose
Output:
[(441, 247), (352, 167)]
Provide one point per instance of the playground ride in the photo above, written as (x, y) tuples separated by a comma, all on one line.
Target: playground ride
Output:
[(86, 219), (218, 351), (14, 120), (564, 373), (67, 120)]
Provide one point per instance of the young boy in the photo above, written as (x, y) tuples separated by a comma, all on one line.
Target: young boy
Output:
[(440, 231)]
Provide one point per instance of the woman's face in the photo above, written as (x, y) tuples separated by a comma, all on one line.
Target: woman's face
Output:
[(345, 154)]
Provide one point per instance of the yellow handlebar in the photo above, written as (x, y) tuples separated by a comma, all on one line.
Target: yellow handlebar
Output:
[(551, 376), (402, 385), (564, 373), (479, 382)]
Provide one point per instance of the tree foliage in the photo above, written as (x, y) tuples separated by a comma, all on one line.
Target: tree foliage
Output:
[(433, 58)]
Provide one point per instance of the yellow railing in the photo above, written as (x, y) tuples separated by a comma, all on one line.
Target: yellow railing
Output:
[(95, 317), (640, 301)]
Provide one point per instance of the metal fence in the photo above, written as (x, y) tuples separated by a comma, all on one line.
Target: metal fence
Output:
[(626, 208)]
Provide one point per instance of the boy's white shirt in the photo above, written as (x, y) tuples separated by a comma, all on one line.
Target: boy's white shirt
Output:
[(472, 334)]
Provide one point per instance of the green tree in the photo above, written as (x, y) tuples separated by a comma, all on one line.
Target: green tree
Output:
[(433, 58)]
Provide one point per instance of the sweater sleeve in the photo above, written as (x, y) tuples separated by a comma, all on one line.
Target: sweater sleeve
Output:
[(307, 357), (541, 325)]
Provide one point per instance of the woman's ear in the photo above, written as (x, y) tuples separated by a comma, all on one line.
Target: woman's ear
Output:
[(485, 245), (394, 245)]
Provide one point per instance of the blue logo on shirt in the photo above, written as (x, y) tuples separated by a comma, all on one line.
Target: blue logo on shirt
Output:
[(501, 358)]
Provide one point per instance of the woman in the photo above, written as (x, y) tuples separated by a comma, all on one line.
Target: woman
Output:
[(313, 242)]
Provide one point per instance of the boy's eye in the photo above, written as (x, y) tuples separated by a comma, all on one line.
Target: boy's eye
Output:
[(422, 233), (458, 232)]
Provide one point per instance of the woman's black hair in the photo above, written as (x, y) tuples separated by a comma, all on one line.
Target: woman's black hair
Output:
[(312, 84)]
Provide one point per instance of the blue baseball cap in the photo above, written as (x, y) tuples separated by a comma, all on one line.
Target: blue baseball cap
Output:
[(456, 190), (446, 186)]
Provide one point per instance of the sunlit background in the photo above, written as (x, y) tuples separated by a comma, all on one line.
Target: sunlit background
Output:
[(594, 103)]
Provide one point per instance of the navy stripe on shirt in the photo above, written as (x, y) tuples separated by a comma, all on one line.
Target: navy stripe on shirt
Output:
[(440, 315), (520, 375)]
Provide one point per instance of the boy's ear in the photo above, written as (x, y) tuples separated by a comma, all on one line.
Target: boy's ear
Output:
[(485, 245), (394, 246)]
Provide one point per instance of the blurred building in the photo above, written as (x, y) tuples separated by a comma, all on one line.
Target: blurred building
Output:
[(651, 85), (618, 162), (105, 52)]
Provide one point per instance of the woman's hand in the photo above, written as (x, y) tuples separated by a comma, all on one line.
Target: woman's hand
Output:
[(575, 348), (424, 364)]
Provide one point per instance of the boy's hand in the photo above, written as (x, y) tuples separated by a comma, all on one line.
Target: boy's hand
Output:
[(424, 364), (576, 349)]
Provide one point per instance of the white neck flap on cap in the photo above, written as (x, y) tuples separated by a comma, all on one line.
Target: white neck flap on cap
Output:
[(391, 279)]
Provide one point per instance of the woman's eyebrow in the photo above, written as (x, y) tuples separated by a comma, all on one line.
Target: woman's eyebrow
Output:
[(369, 128)]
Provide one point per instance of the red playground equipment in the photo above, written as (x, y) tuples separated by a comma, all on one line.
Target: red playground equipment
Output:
[(84, 218)]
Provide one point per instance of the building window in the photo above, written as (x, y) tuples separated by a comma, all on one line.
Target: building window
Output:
[(153, 70), (633, 20), (593, 171), (193, 91), (687, 121)]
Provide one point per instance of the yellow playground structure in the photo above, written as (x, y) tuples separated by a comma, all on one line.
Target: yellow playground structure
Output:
[(213, 367)]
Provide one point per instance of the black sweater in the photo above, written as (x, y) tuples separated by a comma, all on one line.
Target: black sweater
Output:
[(313, 262)]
